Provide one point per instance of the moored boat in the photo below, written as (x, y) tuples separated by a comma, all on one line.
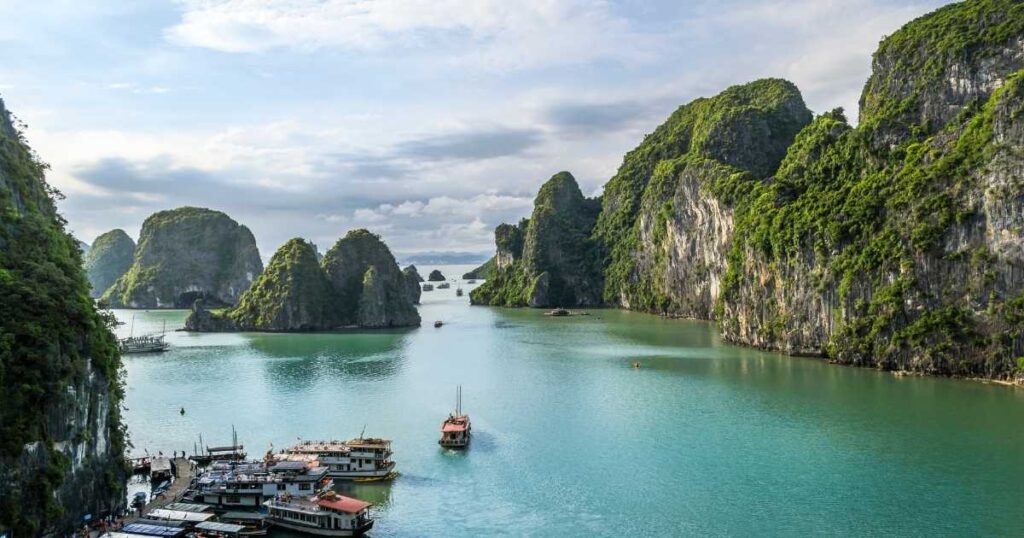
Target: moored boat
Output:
[(456, 430), (444, 286), (428, 287), (328, 514), (360, 458)]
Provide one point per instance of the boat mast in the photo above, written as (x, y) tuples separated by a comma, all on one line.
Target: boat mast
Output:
[(131, 331)]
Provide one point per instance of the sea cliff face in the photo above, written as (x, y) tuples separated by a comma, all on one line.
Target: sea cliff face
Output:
[(61, 437), (358, 284), (412, 283), (188, 253), (548, 260), (895, 244), (108, 259)]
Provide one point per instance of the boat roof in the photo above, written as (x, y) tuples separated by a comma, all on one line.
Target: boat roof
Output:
[(179, 515), (152, 530), (344, 504), (188, 507), (160, 464), (453, 427), (224, 448), (243, 516), (115, 534), (215, 526)]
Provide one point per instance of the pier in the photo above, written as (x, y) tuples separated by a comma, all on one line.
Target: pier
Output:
[(185, 471)]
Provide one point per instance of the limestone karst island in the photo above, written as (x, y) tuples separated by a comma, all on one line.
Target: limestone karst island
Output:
[(541, 268)]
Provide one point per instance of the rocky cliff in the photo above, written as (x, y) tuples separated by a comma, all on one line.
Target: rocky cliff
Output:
[(894, 244), (436, 276), (188, 253), (61, 438), (549, 260), (108, 259), (412, 283), (358, 285), (897, 243)]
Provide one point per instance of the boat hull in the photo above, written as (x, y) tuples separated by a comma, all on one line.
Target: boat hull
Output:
[(316, 531)]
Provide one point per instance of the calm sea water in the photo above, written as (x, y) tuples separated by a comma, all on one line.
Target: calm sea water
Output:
[(569, 440)]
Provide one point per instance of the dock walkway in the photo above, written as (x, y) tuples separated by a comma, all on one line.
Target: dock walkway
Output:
[(185, 472)]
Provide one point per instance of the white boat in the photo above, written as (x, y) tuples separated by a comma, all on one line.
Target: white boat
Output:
[(149, 343), (360, 459), (230, 485), (328, 514)]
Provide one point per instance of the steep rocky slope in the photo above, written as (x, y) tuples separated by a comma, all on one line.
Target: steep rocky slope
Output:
[(188, 253), (358, 285), (435, 276), (61, 437), (549, 260), (412, 283), (108, 259), (895, 244)]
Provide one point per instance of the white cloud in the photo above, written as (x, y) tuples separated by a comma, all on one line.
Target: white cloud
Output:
[(500, 33)]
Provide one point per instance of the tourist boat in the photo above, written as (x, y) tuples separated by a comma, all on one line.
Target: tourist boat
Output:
[(160, 470), (444, 286), (438, 324), (428, 287), (455, 430), (471, 281), (149, 343), (230, 485), (362, 459), (140, 465), (458, 292), (558, 313), (328, 514)]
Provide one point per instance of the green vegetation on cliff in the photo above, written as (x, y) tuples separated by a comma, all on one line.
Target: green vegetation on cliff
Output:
[(188, 253), (55, 347), (110, 257), (746, 127), (292, 293), (551, 260), (483, 272), (358, 284)]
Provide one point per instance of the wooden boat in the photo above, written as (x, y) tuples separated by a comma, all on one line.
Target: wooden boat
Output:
[(444, 286), (149, 343), (233, 452), (428, 287), (456, 430), (160, 470), (253, 523), (438, 324), (558, 313), (458, 292), (358, 458)]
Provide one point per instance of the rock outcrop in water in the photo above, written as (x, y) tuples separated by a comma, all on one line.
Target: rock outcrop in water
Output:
[(108, 259), (436, 276), (188, 253), (896, 244), (358, 284), (412, 283), (61, 437), (549, 260)]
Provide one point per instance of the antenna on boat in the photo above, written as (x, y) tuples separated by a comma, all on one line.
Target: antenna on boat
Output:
[(362, 433), (131, 331)]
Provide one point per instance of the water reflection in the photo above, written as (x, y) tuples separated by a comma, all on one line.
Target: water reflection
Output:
[(301, 359)]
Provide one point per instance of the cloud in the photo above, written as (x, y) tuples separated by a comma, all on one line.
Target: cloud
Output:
[(490, 32), (483, 144), (595, 119)]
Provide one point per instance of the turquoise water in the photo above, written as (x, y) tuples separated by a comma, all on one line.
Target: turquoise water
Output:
[(570, 440)]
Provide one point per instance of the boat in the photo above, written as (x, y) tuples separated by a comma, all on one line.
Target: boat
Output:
[(150, 343), (558, 313), (253, 523), (327, 514), (471, 281), (360, 458), (458, 292), (233, 452), (140, 465), (444, 286), (438, 324), (231, 485), (428, 287), (456, 430)]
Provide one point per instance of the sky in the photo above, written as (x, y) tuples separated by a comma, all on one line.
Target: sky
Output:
[(428, 122)]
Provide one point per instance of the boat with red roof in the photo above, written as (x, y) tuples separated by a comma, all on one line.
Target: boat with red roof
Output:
[(456, 430), (327, 514)]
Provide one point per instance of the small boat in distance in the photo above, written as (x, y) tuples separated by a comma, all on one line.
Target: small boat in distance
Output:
[(471, 281), (455, 430), (558, 313), (458, 292), (443, 286), (438, 324), (428, 287)]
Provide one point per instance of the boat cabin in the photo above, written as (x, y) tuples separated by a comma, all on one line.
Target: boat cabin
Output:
[(327, 515)]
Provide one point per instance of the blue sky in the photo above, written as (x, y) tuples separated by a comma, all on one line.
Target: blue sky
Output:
[(427, 121)]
